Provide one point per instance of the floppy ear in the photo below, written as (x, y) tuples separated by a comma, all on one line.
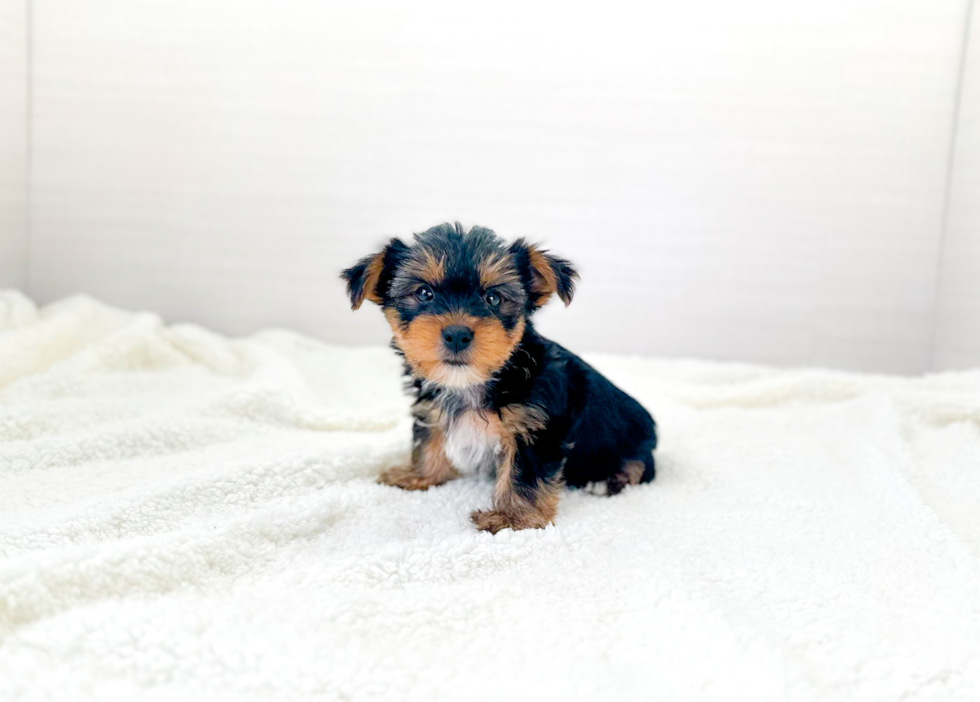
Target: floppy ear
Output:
[(545, 274), (369, 277)]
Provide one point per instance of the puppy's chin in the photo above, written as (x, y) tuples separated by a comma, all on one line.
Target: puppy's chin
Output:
[(455, 376)]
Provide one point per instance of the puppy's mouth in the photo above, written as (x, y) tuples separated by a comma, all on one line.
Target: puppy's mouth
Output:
[(456, 373)]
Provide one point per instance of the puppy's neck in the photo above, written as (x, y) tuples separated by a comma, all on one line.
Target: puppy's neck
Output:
[(454, 401)]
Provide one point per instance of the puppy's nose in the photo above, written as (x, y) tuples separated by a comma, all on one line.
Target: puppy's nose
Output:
[(457, 337)]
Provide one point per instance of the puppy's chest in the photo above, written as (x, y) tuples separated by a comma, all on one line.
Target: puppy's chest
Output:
[(472, 441)]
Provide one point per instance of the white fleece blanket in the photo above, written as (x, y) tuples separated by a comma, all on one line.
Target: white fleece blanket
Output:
[(184, 516)]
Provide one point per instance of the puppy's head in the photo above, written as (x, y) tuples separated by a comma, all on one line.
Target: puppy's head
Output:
[(457, 301)]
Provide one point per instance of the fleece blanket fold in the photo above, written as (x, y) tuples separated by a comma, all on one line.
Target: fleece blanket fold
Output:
[(189, 517)]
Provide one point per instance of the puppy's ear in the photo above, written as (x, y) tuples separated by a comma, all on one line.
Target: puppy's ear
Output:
[(369, 277), (544, 274)]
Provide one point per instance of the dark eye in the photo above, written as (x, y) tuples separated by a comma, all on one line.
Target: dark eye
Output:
[(424, 294), (493, 299)]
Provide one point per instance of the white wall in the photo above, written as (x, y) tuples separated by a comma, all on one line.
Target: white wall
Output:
[(758, 180), (958, 313), (13, 143)]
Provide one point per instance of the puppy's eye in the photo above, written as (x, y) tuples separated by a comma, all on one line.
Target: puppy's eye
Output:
[(493, 299), (424, 294)]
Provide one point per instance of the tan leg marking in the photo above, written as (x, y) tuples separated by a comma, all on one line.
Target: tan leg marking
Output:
[(630, 474), (634, 471), (429, 466), (510, 509)]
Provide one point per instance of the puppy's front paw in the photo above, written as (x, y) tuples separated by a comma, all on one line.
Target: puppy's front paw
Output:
[(405, 478), (493, 521)]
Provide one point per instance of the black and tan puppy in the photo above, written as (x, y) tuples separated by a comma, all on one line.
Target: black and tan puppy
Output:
[(491, 394)]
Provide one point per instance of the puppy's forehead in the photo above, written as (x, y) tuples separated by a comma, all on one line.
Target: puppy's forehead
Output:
[(475, 258)]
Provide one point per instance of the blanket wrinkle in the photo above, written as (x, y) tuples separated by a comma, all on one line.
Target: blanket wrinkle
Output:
[(187, 516)]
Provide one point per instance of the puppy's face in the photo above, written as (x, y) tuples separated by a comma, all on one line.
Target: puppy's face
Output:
[(457, 302)]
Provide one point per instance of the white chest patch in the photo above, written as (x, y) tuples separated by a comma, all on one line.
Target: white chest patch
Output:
[(472, 444)]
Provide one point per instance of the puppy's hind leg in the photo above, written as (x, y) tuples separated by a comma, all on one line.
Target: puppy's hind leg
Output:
[(632, 472)]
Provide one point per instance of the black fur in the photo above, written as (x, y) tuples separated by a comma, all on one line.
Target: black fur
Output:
[(593, 426)]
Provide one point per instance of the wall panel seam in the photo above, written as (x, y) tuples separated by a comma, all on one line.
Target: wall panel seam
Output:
[(29, 146), (950, 171)]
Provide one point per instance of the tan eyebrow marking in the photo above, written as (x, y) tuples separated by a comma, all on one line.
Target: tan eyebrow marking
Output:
[(427, 267), (496, 270)]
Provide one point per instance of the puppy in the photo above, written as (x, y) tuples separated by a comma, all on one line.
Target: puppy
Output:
[(491, 394)]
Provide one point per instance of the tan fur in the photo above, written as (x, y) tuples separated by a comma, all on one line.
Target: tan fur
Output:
[(516, 422), (496, 270), (523, 420), (544, 283), (630, 473), (421, 342), (543, 280), (633, 471), (512, 510), (427, 267), (429, 466), (492, 344), (369, 289)]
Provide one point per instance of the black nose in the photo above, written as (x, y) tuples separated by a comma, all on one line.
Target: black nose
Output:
[(457, 337)]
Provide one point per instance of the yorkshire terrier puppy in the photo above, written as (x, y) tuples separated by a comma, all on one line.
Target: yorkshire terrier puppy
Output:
[(491, 394)]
